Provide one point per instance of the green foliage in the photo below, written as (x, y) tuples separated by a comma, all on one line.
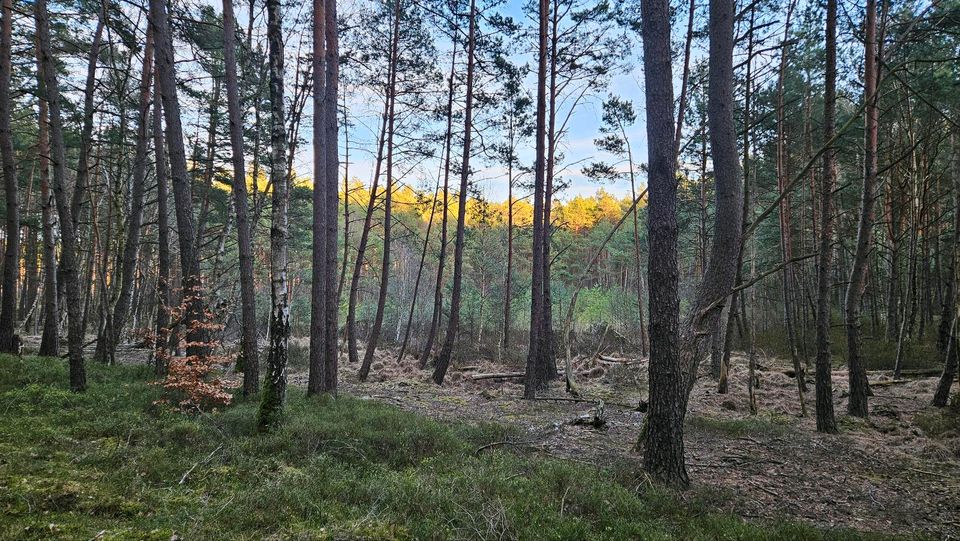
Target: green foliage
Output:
[(109, 461), (878, 352), (943, 422), (760, 424)]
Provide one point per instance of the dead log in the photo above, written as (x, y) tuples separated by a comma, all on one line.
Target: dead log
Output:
[(498, 375), (606, 359), (518, 375)]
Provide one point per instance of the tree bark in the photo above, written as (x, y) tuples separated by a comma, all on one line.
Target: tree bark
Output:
[(373, 338), (164, 300), (11, 255), (721, 272), (249, 357), (663, 437), (275, 384), (857, 403), (180, 180), (50, 338), (446, 352), (68, 233), (826, 422), (332, 168), (535, 379)]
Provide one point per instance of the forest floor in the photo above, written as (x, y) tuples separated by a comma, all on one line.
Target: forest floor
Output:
[(898, 472)]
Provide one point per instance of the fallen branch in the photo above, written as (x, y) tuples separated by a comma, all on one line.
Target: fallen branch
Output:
[(493, 444), (922, 372), (606, 359), (585, 401), (512, 375), (498, 375), (195, 466)]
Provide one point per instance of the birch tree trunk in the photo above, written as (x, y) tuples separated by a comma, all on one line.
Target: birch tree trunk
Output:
[(275, 384)]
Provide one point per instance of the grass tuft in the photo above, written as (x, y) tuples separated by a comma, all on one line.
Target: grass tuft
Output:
[(110, 464)]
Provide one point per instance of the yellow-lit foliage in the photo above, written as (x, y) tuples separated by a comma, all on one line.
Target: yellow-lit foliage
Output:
[(262, 183), (584, 212)]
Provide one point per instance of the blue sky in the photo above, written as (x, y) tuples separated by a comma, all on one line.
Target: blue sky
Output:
[(577, 146)]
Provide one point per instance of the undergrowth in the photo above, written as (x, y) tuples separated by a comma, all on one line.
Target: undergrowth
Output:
[(109, 464)]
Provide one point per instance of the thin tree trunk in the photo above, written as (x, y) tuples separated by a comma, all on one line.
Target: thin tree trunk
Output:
[(442, 258), (636, 248), (68, 234), (248, 359), (826, 422), (446, 352), (857, 403), (374, 337), (416, 284), (275, 384), (180, 180), (107, 341), (508, 279), (86, 133), (213, 117), (684, 79), (164, 300), (352, 354), (346, 201), (786, 221), (534, 380), (546, 362), (50, 339), (951, 303), (11, 255)]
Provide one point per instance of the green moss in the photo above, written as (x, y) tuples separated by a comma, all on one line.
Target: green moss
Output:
[(939, 422), (109, 460)]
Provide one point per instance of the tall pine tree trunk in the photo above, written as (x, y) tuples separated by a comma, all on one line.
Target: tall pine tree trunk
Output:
[(826, 422), (161, 327), (107, 341), (535, 380), (857, 403), (663, 440), (68, 233), (374, 337), (249, 359), (180, 180), (11, 255), (331, 172), (442, 258), (786, 221), (446, 352), (50, 338)]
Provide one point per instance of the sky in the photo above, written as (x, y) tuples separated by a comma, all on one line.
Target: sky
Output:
[(491, 181)]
